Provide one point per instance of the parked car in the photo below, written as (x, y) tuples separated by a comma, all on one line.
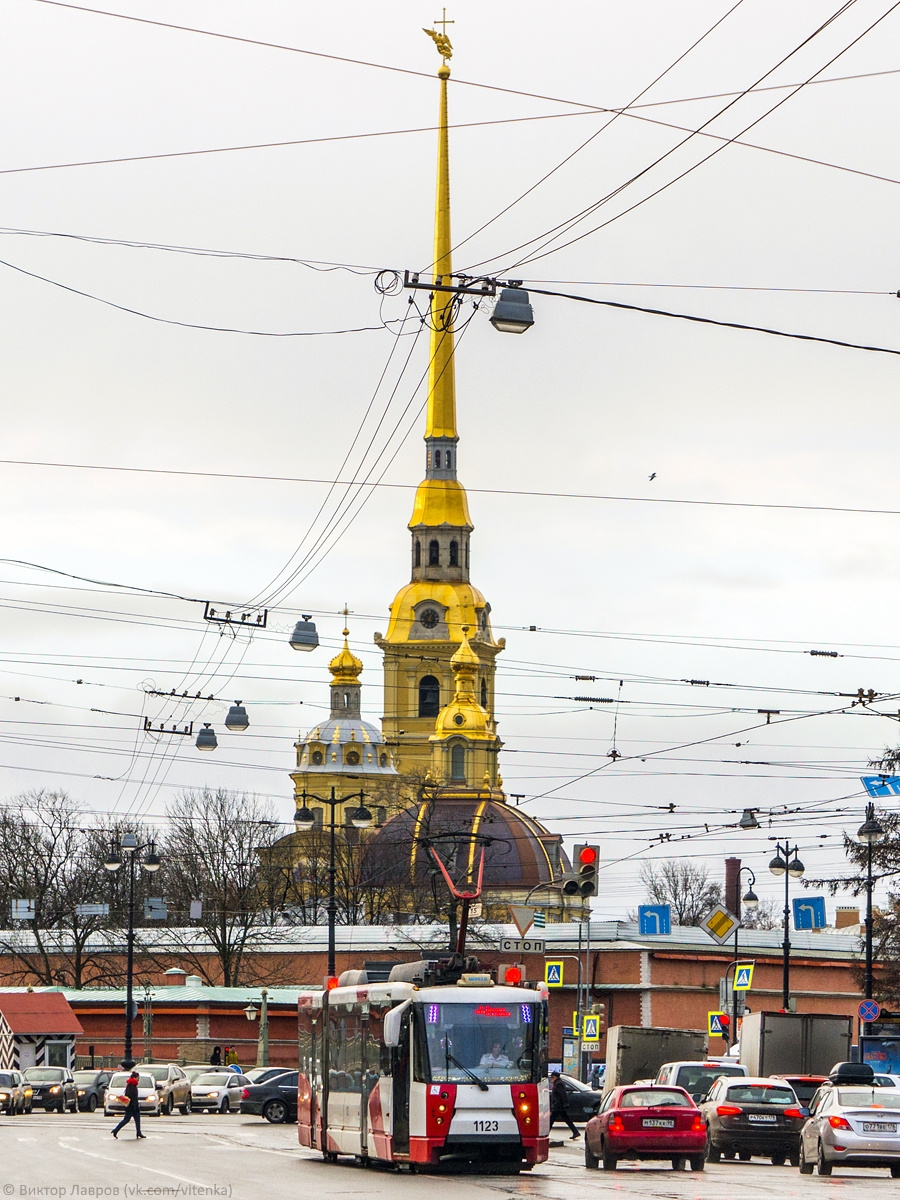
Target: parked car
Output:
[(697, 1077), (753, 1116), (887, 1080), (648, 1122), (805, 1086), (261, 1074), (173, 1086), (53, 1088), (92, 1087), (853, 1126), (218, 1091), (275, 1098), (581, 1099), (148, 1096), (12, 1093)]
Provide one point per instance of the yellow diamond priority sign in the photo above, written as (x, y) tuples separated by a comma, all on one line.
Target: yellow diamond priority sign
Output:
[(720, 924)]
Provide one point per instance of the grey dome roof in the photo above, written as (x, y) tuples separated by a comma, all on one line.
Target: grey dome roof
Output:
[(345, 744)]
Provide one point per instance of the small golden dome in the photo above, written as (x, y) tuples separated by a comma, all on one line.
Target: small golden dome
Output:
[(345, 666), (464, 716)]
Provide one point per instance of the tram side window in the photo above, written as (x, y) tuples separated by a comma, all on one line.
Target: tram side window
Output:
[(309, 1046), (345, 1065)]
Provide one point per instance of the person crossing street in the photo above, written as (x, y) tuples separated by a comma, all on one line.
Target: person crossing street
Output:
[(559, 1104), (133, 1111)]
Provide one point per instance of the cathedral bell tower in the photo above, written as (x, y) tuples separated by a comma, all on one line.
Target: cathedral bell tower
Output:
[(429, 613)]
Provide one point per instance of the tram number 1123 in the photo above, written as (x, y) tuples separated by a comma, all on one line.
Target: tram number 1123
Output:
[(486, 1126)]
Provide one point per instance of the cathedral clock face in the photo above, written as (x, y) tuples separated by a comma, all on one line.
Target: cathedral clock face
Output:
[(429, 618)]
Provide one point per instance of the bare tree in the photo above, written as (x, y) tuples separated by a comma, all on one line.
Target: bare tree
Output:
[(212, 853), (50, 855), (685, 886)]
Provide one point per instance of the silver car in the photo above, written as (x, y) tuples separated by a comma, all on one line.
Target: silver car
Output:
[(853, 1127)]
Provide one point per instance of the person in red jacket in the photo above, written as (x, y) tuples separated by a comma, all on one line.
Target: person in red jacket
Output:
[(133, 1111)]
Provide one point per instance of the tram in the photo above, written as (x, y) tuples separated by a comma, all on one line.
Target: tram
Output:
[(438, 1068)]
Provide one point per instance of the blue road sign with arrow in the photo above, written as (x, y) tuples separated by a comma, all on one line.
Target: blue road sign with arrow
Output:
[(655, 919), (809, 912), (881, 785)]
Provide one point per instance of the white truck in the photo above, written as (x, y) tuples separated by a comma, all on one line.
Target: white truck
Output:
[(777, 1043)]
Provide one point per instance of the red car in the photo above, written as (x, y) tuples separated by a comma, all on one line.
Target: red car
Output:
[(646, 1121)]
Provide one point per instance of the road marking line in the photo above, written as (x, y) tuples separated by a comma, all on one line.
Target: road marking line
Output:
[(128, 1162)]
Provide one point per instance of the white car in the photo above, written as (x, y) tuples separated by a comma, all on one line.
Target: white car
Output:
[(148, 1096), (887, 1080), (218, 1091)]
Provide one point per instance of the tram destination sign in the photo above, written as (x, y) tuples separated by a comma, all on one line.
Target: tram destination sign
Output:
[(523, 945)]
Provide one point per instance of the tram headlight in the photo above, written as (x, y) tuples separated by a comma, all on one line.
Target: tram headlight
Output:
[(438, 1120)]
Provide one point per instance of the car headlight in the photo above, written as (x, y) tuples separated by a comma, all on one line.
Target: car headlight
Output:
[(81, 1091), (29, 1091), (212, 1095), (54, 1089), (4, 1095)]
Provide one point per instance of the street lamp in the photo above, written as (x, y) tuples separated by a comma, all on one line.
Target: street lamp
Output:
[(113, 861), (304, 818), (512, 312), (305, 635), (750, 900), (262, 1045), (787, 863), (870, 832)]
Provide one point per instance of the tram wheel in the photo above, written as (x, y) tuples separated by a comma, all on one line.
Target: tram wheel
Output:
[(330, 1156)]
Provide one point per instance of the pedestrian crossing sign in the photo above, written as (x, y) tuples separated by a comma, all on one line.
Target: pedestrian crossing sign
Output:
[(716, 1028), (591, 1029), (553, 973), (743, 977)]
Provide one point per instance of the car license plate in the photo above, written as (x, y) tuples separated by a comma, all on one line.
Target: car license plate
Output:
[(878, 1127), (762, 1118), (657, 1123)]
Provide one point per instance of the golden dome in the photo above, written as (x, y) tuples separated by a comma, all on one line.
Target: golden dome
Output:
[(345, 666), (464, 716)]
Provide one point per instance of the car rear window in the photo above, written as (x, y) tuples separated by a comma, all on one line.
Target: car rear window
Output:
[(867, 1098), (652, 1098), (759, 1093)]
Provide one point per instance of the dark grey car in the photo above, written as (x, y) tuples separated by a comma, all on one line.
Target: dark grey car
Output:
[(12, 1093), (92, 1087), (582, 1102), (53, 1088)]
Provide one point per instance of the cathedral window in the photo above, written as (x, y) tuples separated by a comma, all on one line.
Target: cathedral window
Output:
[(383, 760), (434, 553), (484, 697), (352, 758), (458, 762), (417, 553), (437, 458), (346, 699), (429, 696), (449, 461), (317, 758), (454, 554)]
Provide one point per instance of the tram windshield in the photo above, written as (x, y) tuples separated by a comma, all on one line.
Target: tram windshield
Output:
[(494, 1043)]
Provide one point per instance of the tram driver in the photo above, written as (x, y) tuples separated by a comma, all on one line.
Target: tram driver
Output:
[(495, 1058)]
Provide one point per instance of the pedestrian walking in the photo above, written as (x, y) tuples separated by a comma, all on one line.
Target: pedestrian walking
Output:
[(559, 1104), (133, 1109)]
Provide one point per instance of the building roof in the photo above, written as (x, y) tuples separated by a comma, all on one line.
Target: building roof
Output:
[(38, 1013)]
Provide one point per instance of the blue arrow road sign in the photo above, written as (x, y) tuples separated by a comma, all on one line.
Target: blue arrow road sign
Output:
[(809, 912), (881, 785), (655, 919), (869, 1010)]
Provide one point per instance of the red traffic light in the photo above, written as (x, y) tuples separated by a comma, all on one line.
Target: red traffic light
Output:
[(724, 1020), (513, 975), (331, 981), (587, 856)]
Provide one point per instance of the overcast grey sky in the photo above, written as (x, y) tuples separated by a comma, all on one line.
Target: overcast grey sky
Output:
[(591, 402)]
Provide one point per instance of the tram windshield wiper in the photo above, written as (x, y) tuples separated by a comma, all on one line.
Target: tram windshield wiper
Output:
[(451, 1058)]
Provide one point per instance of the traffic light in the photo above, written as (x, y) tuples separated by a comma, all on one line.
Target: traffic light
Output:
[(587, 859), (599, 1010)]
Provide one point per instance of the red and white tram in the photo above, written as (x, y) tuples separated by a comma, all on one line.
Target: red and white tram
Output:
[(439, 1067)]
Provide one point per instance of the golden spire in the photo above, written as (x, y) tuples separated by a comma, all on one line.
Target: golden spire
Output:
[(441, 420)]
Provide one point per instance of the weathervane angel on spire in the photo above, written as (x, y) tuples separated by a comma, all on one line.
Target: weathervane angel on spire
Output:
[(443, 43)]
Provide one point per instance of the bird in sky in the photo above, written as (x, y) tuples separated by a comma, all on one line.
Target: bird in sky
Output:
[(653, 476)]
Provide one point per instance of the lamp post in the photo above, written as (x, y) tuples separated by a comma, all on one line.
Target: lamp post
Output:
[(113, 861), (787, 863), (148, 1022), (360, 818), (750, 900), (262, 1044), (870, 832)]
